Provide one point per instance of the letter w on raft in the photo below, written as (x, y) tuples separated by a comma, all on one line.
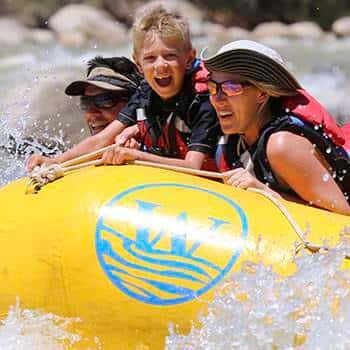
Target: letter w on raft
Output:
[(179, 238)]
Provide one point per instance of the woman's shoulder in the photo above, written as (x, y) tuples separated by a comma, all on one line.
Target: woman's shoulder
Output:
[(286, 145)]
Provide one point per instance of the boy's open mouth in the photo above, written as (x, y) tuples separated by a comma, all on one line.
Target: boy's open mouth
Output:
[(163, 82)]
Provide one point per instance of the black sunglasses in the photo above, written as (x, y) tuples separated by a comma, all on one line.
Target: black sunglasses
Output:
[(102, 101)]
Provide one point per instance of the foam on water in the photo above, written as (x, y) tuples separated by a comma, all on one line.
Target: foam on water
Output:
[(259, 309), (31, 330)]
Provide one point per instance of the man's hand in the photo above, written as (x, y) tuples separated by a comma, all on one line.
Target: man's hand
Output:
[(37, 160)]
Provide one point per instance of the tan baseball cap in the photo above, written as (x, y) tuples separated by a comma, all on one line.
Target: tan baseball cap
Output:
[(102, 77)]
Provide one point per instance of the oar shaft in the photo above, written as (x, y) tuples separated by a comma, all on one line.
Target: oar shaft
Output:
[(204, 173), (82, 165), (87, 156)]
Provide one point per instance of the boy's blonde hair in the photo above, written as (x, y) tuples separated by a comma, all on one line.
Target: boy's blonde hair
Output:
[(154, 18)]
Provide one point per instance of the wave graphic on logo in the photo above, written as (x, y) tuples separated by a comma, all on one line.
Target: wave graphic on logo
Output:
[(160, 266)]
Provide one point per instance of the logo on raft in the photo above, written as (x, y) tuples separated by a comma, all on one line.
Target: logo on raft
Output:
[(168, 243)]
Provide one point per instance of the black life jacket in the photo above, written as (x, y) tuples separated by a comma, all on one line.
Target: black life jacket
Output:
[(228, 156), (164, 126)]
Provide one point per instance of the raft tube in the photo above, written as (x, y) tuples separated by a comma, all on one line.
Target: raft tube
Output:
[(131, 249)]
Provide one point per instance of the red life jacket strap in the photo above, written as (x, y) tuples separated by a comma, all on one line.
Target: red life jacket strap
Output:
[(200, 79), (346, 131), (306, 107)]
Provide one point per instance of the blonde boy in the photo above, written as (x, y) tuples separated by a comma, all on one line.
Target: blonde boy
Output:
[(176, 125)]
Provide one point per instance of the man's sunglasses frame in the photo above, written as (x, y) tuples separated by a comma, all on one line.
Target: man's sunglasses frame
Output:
[(105, 100)]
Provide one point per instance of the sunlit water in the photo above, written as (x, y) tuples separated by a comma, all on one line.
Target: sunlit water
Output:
[(31, 329), (258, 309), (255, 309)]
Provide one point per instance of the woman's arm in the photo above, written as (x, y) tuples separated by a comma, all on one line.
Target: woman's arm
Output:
[(296, 163)]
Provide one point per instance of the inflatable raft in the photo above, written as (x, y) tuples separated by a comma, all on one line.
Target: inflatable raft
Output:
[(131, 249)]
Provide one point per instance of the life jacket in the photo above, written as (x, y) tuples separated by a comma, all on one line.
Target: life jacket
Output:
[(200, 77), (228, 156), (170, 137), (162, 139), (306, 107)]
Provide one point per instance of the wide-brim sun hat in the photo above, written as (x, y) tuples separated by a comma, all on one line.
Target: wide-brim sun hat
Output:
[(252, 60), (104, 78)]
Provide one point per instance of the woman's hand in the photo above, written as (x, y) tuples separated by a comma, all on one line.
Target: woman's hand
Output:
[(242, 178), (120, 155)]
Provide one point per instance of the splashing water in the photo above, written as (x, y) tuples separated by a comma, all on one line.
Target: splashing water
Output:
[(27, 329), (259, 309)]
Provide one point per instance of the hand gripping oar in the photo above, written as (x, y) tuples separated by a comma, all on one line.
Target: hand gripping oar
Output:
[(41, 175)]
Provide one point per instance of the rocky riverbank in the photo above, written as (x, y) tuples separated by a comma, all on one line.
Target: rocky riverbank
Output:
[(84, 25)]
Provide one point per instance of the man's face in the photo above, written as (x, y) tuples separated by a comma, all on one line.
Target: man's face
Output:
[(98, 118), (163, 63)]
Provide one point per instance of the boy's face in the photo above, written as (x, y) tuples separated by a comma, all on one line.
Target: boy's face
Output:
[(163, 63)]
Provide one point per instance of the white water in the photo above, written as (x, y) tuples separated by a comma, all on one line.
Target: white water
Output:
[(25, 329), (258, 309), (274, 310)]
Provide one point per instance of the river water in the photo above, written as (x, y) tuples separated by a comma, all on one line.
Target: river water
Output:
[(281, 311)]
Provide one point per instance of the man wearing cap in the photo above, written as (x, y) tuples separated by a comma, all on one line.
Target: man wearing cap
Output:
[(277, 137), (109, 84)]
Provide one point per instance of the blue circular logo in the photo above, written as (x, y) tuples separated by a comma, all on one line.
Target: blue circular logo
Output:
[(168, 243)]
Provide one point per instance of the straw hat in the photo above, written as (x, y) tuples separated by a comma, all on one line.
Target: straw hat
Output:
[(254, 61)]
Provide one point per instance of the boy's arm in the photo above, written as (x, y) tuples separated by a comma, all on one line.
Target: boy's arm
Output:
[(121, 155), (91, 143), (204, 136)]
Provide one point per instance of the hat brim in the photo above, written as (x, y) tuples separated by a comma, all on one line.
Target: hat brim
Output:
[(77, 88), (252, 65)]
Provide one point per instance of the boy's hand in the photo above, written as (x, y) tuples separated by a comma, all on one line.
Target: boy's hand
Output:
[(120, 155), (132, 143), (126, 135), (37, 160)]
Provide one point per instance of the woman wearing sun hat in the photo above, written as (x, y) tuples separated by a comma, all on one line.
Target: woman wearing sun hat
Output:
[(277, 137)]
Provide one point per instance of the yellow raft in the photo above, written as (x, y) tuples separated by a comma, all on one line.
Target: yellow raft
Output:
[(130, 249)]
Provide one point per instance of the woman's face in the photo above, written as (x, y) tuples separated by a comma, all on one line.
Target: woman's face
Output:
[(237, 114)]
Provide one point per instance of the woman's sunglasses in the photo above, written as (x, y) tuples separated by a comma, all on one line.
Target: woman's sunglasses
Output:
[(102, 101), (229, 87)]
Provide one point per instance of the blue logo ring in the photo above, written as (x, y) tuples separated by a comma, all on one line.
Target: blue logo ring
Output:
[(104, 248)]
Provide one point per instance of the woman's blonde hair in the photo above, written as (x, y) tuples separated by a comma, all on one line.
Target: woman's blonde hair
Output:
[(272, 89), (154, 18)]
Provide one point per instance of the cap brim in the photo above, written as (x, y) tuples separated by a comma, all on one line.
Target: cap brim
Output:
[(252, 65), (77, 88)]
